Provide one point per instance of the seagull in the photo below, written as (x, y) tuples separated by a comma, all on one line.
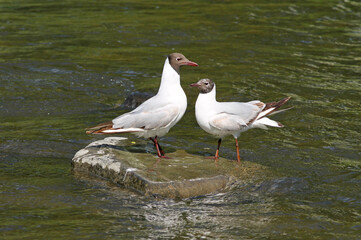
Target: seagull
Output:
[(157, 115), (232, 118)]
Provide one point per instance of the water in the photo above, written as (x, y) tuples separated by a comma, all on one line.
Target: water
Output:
[(68, 65)]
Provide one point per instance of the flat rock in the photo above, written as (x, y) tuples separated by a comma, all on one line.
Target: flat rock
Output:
[(184, 175)]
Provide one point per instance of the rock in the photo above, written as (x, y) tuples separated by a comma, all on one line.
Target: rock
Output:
[(135, 99), (118, 160)]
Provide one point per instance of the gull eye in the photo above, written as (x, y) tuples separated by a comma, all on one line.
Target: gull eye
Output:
[(178, 58)]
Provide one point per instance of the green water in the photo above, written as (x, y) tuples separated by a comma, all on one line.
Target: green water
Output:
[(67, 65)]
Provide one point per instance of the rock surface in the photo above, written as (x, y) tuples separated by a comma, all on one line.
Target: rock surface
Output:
[(120, 161), (135, 99)]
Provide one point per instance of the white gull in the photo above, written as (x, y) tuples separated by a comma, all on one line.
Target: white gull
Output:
[(157, 115), (231, 118)]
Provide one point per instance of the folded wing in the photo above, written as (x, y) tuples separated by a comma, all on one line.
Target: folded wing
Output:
[(234, 116), (153, 119), (227, 122)]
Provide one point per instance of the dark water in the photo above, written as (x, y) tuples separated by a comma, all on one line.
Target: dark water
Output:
[(67, 65)]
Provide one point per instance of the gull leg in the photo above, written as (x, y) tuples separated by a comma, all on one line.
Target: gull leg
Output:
[(217, 152), (238, 157), (160, 148), (216, 156), (160, 151), (156, 146)]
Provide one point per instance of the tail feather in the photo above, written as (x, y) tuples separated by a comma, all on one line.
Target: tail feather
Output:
[(107, 128), (276, 104), (98, 129), (122, 130), (279, 111), (265, 121), (272, 107), (262, 120)]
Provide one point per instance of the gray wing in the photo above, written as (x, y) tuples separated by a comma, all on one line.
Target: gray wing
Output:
[(148, 119), (234, 116), (227, 122)]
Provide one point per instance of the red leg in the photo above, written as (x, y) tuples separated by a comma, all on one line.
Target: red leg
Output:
[(238, 157), (160, 151), (156, 146), (216, 156), (160, 148), (217, 152)]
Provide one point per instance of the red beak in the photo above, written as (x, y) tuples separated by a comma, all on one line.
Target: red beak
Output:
[(194, 85), (190, 64)]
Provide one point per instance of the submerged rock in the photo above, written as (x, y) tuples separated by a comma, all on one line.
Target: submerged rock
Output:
[(135, 99), (184, 175)]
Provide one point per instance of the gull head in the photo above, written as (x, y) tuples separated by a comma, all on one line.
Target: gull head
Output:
[(177, 60), (204, 85)]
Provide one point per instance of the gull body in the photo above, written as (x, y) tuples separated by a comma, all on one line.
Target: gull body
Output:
[(157, 115), (231, 118)]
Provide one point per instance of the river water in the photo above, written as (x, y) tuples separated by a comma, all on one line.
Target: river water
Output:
[(66, 65)]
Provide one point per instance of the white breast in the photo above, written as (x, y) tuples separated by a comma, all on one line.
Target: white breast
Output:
[(171, 91), (206, 108)]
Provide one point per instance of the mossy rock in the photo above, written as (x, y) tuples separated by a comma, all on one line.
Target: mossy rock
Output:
[(182, 176)]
